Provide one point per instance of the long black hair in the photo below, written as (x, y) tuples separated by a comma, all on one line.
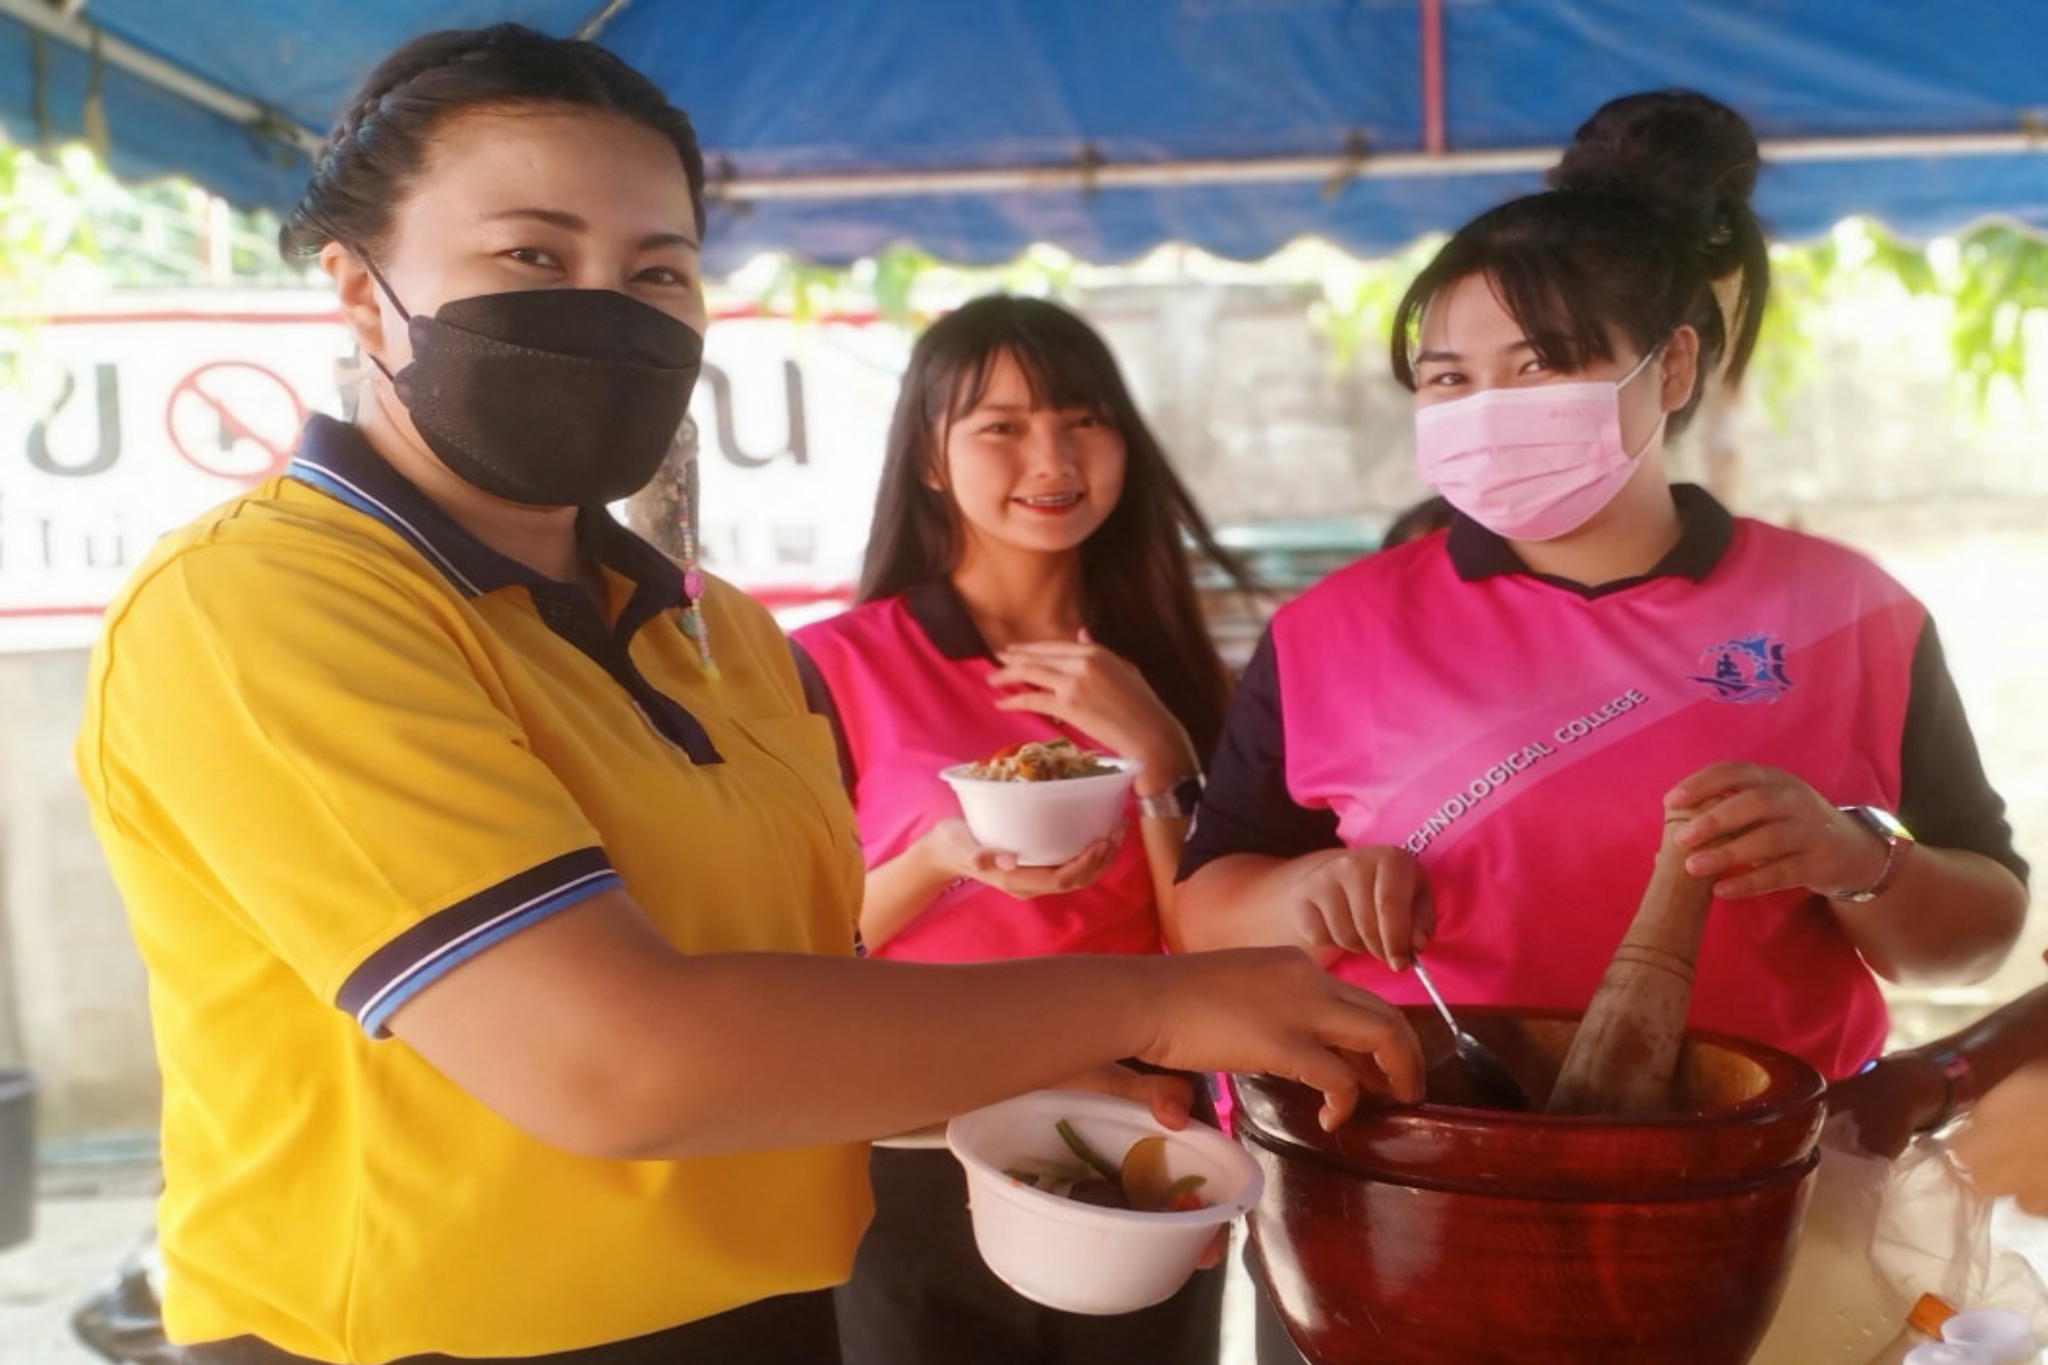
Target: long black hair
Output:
[(380, 142), (1650, 212), (1138, 593)]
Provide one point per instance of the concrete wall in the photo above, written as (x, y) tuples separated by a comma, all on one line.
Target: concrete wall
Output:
[(73, 1001)]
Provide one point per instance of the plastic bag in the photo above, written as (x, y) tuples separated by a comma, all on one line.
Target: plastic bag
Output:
[(1877, 1235)]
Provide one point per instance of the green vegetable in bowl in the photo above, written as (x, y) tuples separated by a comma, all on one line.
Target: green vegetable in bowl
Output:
[(1139, 1182)]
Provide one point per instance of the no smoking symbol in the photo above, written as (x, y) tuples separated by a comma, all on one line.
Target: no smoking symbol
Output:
[(235, 420)]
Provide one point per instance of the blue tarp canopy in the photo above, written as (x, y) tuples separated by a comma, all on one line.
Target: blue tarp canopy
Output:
[(973, 128)]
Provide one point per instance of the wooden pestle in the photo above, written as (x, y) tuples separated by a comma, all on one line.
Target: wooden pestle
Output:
[(1625, 1052)]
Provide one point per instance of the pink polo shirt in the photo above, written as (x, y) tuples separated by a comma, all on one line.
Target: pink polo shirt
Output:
[(1517, 735), (907, 680)]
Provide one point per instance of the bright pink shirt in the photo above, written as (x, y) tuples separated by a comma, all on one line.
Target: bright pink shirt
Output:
[(1518, 737), (907, 678)]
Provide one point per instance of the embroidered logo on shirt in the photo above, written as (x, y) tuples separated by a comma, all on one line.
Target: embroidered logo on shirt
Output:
[(1749, 668)]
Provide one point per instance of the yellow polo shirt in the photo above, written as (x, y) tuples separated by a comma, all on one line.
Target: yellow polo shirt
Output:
[(333, 746)]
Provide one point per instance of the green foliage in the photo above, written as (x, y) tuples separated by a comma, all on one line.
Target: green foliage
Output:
[(68, 227), (1785, 348), (2003, 278), (46, 226), (801, 290), (899, 283), (1991, 279), (1904, 261), (897, 272), (1043, 271), (46, 238), (1356, 312)]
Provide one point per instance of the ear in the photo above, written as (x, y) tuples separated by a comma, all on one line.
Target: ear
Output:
[(1679, 363), (362, 302), (934, 475)]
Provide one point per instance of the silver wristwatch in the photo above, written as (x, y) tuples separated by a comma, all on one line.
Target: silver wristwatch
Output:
[(1898, 845), (1177, 802)]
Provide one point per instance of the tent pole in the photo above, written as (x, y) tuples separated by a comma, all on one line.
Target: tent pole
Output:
[(1111, 175), (1433, 77), (38, 16)]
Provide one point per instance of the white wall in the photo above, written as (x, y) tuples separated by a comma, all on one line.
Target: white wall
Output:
[(72, 995)]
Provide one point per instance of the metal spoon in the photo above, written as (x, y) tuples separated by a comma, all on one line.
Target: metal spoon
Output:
[(1496, 1085)]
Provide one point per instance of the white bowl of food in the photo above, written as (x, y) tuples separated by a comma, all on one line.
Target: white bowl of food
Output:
[(1044, 801), (1029, 1193)]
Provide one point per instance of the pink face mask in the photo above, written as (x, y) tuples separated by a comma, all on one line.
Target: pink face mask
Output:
[(1529, 463)]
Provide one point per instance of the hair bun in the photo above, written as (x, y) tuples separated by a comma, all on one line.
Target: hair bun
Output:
[(1688, 155)]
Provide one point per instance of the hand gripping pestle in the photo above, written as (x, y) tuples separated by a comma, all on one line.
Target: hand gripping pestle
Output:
[(1625, 1053)]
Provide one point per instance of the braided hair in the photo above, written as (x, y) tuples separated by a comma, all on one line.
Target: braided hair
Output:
[(380, 141)]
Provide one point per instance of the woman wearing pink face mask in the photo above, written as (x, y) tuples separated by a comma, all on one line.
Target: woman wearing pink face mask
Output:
[(1463, 745)]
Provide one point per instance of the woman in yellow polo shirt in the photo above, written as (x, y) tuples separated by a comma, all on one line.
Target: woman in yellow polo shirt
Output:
[(496, 888)]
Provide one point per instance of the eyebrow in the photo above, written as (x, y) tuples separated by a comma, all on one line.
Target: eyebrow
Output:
[(569, 221), (1440, 357)]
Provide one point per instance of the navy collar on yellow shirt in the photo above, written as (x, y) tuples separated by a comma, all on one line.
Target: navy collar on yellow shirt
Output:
[(1706, 528), (936, 606), (333, 457)]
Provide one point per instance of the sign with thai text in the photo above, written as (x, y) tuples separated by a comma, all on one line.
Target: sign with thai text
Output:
[(125, 421)]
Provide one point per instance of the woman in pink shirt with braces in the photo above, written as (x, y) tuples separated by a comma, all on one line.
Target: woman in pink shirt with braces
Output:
[(1026, 579)]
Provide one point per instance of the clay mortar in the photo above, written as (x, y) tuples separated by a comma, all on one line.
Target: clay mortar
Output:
[(1442, 1234)]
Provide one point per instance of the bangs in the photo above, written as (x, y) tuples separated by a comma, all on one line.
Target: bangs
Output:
[(1582, 274), (1562, 325), (1056, 376), (1559, 313)]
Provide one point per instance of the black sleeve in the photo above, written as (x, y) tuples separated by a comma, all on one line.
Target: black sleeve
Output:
[(819, 698), (1944, 797), (1245, 807)]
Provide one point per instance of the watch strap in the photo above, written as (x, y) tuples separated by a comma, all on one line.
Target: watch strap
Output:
[(1898, 846), (1177, 802)]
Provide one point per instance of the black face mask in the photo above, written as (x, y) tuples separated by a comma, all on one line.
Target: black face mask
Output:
[(551, 397)]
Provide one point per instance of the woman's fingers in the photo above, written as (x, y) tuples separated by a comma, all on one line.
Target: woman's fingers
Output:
[(1275, 1011), (1766, 830), (1040, 666), (1382, 1056), (1366, 900), (1393, 901), (1040, 675), (1329, 904), (1000, 869), (1053, 650), (1425, 916), (1759, 880), (1169, 1097), (1384, 1035), (1717, 780)]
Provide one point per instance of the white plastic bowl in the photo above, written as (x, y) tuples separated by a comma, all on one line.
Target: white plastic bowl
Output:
[(1043, 823), (1080, 1257)]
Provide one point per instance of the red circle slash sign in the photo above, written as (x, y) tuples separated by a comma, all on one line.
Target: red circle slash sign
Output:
[(234, 419)]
